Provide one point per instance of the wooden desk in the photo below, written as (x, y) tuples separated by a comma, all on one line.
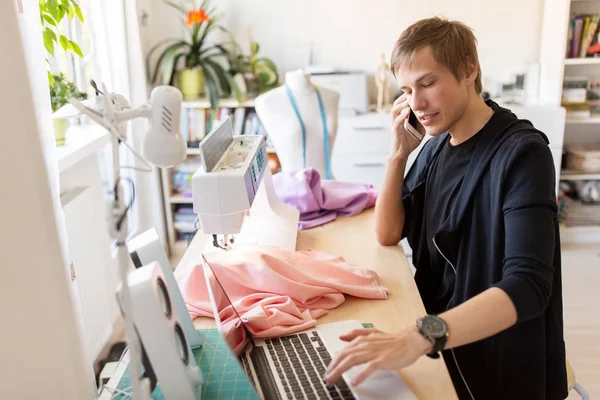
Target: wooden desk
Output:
[(354, 239)]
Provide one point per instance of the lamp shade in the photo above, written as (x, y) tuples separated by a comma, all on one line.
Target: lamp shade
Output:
[(164, 145)]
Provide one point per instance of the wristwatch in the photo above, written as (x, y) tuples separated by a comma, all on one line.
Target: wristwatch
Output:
[(434, 329)]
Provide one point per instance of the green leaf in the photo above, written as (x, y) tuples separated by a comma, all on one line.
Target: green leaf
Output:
[(210, 12), (254, 48), (166, 61), (195, 31), (174, 69), (152, 50), (222, 50), (267, 62), (49, 44), (48, 18), (78, 12), (74, 47), (64, 42), (234, 87), (204, 4), (50, 33), (71, 12), (208, 28), (211, 87), (219, 74), (50, 79), (177, 7), (61, 15), (52, 7)]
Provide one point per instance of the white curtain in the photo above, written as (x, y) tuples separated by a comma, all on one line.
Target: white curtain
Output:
[(121, 66)]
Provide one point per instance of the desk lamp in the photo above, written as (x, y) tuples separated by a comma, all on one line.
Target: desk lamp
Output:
[(163, 146)]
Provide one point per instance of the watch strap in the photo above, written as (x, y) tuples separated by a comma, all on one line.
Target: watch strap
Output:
[(438, 346)]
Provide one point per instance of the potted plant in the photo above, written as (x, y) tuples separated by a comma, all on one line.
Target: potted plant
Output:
[(258, 73), (61, 92), (201, 66)]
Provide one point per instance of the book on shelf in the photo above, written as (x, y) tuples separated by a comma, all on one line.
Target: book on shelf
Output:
[(577, 110), (582, 38), (184, 219), (574, 212), (181, 176), (196, 123)]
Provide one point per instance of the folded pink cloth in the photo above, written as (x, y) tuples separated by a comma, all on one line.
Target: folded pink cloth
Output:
[(321, 201), (275, 291)]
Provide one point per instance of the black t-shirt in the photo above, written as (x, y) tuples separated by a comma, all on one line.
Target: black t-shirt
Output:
[(443, 183)]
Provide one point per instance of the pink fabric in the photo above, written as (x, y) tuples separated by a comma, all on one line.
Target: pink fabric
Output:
[(321, 201), (276, 291)]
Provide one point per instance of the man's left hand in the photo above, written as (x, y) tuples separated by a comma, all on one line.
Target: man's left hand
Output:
[(379, 350)]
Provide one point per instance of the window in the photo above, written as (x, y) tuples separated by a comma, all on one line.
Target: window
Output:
[(105, 62)]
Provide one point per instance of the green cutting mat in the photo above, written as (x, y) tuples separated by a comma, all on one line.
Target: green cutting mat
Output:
[(224, 378)]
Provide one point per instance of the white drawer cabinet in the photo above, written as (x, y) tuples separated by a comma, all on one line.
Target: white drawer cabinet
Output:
[(366, 168), (361, 148)]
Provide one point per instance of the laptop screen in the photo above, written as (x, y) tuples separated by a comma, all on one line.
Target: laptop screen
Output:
[(228, 321)]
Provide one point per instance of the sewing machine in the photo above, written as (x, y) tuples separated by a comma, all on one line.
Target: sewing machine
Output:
[(233, 193)]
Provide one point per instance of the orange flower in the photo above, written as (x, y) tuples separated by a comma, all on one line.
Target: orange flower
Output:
[(196, 17), (203, 15)]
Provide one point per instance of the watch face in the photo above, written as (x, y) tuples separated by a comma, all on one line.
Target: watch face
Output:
[(433, 327)]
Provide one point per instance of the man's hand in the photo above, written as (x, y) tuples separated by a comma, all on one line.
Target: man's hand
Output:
[(378, 350), (403, 143)]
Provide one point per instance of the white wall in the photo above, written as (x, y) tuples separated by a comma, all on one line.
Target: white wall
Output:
[(351, 34), (40, 353)]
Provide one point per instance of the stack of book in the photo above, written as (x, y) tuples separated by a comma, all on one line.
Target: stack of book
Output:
[(196, 123), (582, 40), (574, 212), (181, 176), (185, 222), (580, 96)]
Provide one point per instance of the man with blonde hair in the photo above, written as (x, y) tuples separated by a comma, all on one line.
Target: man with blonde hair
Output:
[(479, 210)]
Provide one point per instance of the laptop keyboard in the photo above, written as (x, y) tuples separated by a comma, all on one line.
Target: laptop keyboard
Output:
[(300, 362)]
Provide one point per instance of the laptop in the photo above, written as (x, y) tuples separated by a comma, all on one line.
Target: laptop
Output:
[(293, 366)]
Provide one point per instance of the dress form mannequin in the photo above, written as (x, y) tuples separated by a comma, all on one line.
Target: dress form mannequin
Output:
[(277, 115)]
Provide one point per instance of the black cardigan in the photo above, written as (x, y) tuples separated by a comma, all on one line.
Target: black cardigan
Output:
[(503, 232)]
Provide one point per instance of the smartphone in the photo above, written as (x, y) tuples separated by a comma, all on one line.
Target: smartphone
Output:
[(413, 126)]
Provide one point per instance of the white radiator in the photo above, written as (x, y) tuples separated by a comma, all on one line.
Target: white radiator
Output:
[(92, 270)]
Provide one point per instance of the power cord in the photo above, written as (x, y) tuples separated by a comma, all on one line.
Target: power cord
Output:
[(95, 86), (111, 358), (131, 201)]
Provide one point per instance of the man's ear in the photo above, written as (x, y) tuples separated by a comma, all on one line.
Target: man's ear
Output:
[(471, 71)]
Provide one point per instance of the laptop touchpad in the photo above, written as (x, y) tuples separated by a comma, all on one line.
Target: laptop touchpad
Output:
[(386, 385)]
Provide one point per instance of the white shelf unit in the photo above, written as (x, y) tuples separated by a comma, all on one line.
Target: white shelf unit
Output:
[(594, 119), (578, 176), (582, 61), (554, 67), (229, 103), (179, 199), (579, 234), (173, 200)]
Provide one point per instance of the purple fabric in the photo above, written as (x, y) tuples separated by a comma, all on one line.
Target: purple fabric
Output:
[(321, 201)]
